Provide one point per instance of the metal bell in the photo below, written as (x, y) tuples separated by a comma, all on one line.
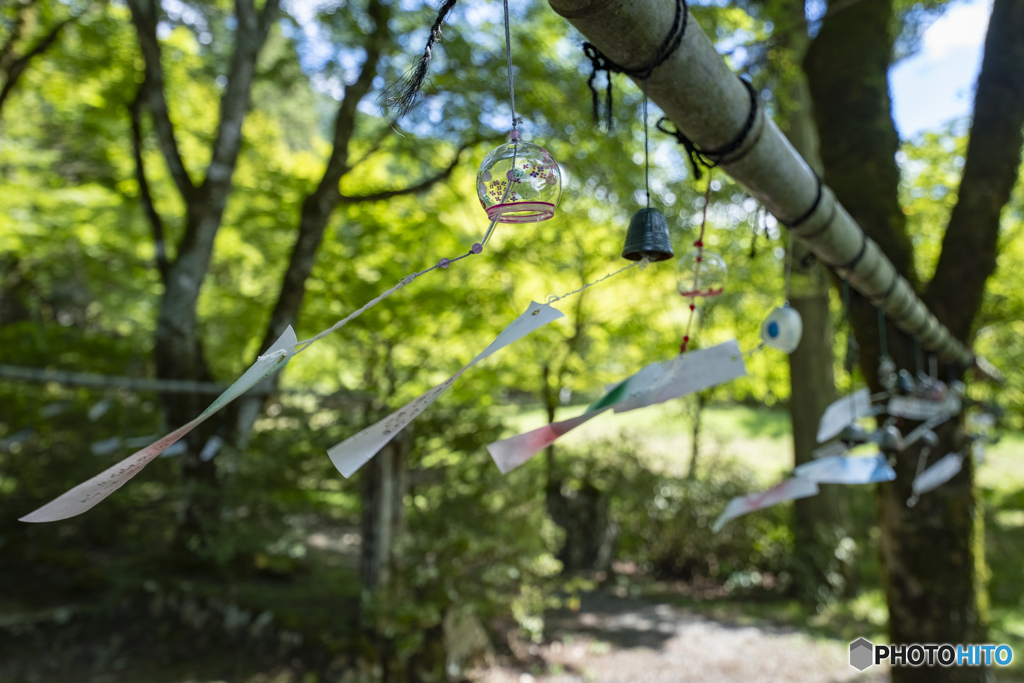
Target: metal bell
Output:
[(853, 434), (890, 439), (648, 236)]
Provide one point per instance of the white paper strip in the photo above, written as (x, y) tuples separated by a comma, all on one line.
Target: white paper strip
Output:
[(655, 383), (791, 489), (841, 469), (843, 412), (944, 469), (692, 372), (349, 455), (88, 494), (634, 385), (917, 432), (510, 453), (922, 409), (828, 450)]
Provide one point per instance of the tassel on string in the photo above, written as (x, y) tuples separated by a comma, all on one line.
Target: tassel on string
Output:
[(405, 94)]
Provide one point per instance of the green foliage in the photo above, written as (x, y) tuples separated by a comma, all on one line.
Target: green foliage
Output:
[(79, 291), (665, 521), (931, 167)]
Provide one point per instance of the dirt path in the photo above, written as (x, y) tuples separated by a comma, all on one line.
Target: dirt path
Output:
[(613, 640)]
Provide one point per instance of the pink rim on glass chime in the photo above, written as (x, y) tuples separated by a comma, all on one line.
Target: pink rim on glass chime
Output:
[(519, 182)]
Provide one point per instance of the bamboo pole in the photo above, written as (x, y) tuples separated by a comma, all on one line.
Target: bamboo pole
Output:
[(706, 101)]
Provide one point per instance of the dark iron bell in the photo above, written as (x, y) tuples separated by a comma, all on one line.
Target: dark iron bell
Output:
[(648, 236), (853, 434), (889, 439)]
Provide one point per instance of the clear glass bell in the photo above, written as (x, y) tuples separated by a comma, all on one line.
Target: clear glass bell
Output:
[(519, 182), (701, 273)]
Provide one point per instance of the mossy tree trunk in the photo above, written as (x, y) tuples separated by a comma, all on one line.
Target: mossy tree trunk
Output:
[(933, 553)]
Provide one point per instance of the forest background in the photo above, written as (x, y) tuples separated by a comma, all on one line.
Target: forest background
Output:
[(179, 182)]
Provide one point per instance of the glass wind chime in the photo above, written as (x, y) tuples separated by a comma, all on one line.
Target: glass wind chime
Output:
[(783, 328), (701, 273), (518, 182)]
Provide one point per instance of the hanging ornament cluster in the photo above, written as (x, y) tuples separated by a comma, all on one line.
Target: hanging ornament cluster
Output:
[(520, 182)]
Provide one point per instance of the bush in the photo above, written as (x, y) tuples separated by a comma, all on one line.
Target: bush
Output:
[(664, 522)]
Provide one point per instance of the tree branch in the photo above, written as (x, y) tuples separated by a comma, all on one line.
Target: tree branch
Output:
[(159, 244), (17, 27), (378, 143), (250, 36), (16, 67), (144, 17), (971, 242), (345, 122), (318, 205), (424, 184)]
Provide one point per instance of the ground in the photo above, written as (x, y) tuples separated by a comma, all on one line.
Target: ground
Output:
[(612, 640)]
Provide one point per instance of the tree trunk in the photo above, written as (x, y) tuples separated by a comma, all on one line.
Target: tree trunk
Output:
[(820, 521), (384, 485), (933, 553), (927, 553), (550, 407), (178, 355), (177, 351), (699, 401), (823, 521)]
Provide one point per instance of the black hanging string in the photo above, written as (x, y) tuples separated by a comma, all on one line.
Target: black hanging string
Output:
[(599, 62), (851, 342), (918, 356), (758, 217), (516, 120), (403, 95), (884, 301), (647, 153), (709, 158), (851, 348), (882, 340)]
